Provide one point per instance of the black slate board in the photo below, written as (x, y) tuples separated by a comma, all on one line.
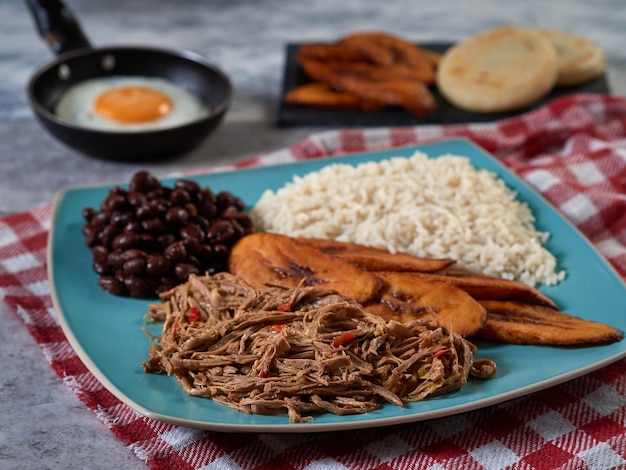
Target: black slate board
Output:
[(295, 115)]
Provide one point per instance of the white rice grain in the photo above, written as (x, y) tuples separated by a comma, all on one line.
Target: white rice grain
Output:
[(431, 207)]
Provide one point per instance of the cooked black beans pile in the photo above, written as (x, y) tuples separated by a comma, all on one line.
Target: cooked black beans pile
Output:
[(150, 238)]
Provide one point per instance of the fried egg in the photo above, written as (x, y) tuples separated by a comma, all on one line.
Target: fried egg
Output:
[(129, 103)]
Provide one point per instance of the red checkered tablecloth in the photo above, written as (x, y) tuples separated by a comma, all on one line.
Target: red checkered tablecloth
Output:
[(572, 150)]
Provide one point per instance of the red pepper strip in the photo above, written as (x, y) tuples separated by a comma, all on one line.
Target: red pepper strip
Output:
[(284, 308), (343, 338), (274, 328), (441, 352), (193, 315)]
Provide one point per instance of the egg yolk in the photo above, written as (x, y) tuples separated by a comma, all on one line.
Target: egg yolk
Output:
[(133, 104)]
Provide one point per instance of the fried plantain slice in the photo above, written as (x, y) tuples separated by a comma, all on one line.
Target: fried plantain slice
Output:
[(405, 297), (263, 259), (387, 50), (330, 71), (387, 86), (482, 286), (521, 323), (376, 259), (323, 95), (330, 51), (382, 86)]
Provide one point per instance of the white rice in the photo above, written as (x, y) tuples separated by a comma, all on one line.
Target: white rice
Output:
[(430, 207)]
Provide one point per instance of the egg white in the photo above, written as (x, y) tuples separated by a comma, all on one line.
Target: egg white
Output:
[(77, 104)]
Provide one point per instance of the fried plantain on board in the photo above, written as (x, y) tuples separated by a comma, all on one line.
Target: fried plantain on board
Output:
[(382, 55), (387, 50), (516, 322), (376, 259), (264, 258), (324, 96), (388, 86), (363, 69), (406, 297)]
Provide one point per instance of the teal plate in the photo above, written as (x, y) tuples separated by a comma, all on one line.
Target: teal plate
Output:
[(106, 331)]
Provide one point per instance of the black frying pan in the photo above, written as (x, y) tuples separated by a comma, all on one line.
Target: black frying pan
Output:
[(77, 61)]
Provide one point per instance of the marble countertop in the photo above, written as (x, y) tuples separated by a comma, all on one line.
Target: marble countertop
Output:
[(44, 424)]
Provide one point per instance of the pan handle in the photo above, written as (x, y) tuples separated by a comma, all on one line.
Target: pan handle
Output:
[(57, 25)]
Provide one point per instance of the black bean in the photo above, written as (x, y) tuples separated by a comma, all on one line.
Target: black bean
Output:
[(101, 268), (183, 270), (139, 287), (143, 181), (165, 240), (200, 221), (132, 253), (180, 197), (191, 231), (239, 204), (91, 232), (175, 252), (137, 199), (150, 210), (193, 246), (147, 242), (220, 231), (159, 195), (133, 226), (154, 226), (158, 265), (88, 213), (117, 190), (122, 218), (167, 283), (176, 215), (243, 220), (115, 202), (100, 219), (147, 211), (238, 229), (134, 266), (108, 233), (119, 275), (205, 254), (115, 259), (99, 254), (188, 185), (124, 241), (92, 240), (191, 209), (209, 196), (208, 210), (220, 250), (112, 285), (224, 200)]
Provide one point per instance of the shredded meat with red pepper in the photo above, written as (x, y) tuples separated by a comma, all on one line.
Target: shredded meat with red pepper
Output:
[(300, 351)]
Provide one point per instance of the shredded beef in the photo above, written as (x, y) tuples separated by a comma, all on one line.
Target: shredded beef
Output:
[(300, 351)]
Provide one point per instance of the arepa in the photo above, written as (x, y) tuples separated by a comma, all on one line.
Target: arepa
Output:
[(580, 59), (498, 70)]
